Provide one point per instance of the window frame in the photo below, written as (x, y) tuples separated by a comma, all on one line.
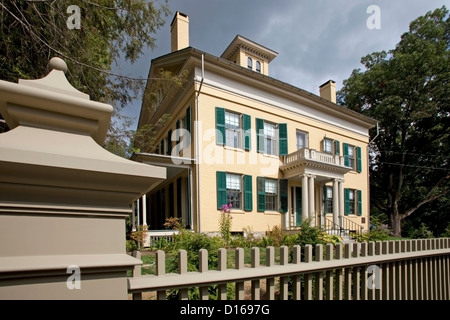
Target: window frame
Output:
[(237, 131), (273, 141), (328, 201), (270, 195), (258, 66), (238, 191), (297, 132)]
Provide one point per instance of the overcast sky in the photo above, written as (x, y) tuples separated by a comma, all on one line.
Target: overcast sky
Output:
[(315, 40)]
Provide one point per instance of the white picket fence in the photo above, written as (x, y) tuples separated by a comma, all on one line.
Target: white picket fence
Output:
[(390, 270)]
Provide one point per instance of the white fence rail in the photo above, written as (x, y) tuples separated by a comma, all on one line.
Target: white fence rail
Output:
[(394, 270)]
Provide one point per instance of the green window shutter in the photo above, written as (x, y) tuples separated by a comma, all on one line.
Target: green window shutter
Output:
[(260, 135), (169, 143), (326, 209), (358, 160), (359, 199), (346, 160), (282, 139), (346, 201), (220, 126), (246, 126), (261, 182), (337, 147), (248, 198), (221, 180), (283, 196)]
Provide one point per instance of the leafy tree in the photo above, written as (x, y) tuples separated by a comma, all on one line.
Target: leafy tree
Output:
[(110, 31), (407, 90)]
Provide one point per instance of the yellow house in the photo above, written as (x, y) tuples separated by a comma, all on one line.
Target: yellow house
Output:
[(278, 154)]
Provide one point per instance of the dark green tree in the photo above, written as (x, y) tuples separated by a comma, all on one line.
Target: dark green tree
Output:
[(111, 31), (407, 89)]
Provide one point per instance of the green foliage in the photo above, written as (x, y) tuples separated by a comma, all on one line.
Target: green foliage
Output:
[(406, 90), (112, 31), (131, 245), (446, 233), (225, 222), (423, 232)]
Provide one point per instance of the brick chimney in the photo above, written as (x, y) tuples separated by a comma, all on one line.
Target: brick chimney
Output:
[(328, 91), (179, 31)]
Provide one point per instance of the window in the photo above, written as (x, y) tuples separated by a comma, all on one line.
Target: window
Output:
[(250, 63), (331, 146), (328, 193), (352, 157), (353, 201), (270, 138), (271, 190), (234, 189), (233, 130), (258, 66), (272, 194), (301, 140)]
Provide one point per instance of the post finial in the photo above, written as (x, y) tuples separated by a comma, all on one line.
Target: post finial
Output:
[(58, 64)]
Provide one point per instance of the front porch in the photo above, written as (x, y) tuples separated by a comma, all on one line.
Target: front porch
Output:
[(316, 191)]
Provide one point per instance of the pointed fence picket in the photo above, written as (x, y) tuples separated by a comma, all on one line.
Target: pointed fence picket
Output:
[(394, 270)]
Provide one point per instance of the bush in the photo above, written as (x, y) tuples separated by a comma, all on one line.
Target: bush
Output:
[(131, 245), (378, 233), (423, 232)]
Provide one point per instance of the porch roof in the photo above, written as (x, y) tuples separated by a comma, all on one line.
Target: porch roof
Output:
[(173, 165)]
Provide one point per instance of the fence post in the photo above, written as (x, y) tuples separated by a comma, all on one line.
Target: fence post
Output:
[(348, 274), (365, 251), (356, 273), (329, 273), (270, 282), (239, 261), (222, 266), (203, 267), (182, 269), (339, 273), (59, 185), (284, 255), (308, 276), (160, 271), (256, 291), (137, 273), (296, 280)]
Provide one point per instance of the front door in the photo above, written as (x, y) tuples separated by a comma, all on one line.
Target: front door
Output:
[(298, 205)]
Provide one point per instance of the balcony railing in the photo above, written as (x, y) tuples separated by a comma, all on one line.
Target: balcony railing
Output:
[(306, 154)]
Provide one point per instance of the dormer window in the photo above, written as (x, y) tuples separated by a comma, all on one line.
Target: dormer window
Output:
[(250, 63), (258, 66)]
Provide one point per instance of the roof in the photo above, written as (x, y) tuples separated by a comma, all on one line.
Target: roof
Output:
[(181, 56)]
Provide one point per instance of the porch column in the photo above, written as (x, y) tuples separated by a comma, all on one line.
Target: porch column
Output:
[(336, 201), (133, 217), (144, 210), (305, 206), (312, 214), (341, 202)]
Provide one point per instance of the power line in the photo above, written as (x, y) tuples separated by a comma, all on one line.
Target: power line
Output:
[(414, 166)]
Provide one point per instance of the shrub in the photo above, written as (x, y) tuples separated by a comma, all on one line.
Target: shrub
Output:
[(225, 223), (423, 232), (378, 233), (131, 245)]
